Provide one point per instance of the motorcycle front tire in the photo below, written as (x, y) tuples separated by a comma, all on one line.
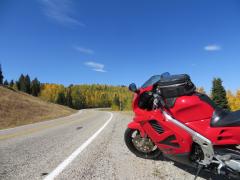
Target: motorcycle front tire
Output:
[(154, 155)]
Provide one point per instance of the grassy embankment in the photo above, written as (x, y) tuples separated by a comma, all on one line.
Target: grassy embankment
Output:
[(17, 108)]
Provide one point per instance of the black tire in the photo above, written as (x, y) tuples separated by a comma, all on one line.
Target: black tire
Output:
[(156, 154)]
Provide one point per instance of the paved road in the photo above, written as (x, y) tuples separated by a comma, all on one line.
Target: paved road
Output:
[(61, 148)]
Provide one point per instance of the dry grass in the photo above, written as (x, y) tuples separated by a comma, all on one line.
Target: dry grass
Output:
[(17, 108)]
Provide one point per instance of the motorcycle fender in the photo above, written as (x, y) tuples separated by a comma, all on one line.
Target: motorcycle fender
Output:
[(134, 125)]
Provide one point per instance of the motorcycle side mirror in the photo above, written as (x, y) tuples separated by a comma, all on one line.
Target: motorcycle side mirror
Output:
[(132, 87)]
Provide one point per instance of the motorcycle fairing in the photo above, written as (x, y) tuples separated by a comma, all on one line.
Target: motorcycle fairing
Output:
[(183, 131), (191, 116), (217, 135), (183, 140), (135, 125)]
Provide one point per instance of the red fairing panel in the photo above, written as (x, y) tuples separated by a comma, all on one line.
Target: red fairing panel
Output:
[(191, 108), (218, 135), (134, 125), (181, 139)]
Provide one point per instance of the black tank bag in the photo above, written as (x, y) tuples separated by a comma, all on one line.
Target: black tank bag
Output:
[(176, 85)]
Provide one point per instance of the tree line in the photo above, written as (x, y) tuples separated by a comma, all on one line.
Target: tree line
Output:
[(96, 95), (73, 96), (88, 96), (23, 84)]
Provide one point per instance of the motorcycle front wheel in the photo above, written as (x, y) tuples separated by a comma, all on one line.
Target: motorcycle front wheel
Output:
[(141, 147)]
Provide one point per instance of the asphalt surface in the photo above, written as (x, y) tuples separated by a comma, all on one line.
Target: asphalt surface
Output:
[(35, 151)]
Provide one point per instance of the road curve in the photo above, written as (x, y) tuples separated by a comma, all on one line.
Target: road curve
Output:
[(35, 151)]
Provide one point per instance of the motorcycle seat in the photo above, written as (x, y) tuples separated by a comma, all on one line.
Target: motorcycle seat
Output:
[(223, 118)]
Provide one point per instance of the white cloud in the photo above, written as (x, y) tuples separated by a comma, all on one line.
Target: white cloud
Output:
[(60, 11), (212, 47), (84, 50), (95, 66)]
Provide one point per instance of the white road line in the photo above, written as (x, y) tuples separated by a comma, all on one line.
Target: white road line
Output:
[(67, 161)]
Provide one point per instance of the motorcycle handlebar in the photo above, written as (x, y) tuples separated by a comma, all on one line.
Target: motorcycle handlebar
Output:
[(158, 101)]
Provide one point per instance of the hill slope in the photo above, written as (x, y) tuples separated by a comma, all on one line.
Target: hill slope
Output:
[(17, 108)]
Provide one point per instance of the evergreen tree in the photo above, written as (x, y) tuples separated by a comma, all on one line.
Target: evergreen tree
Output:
[(1, 75), (27, 84), (24, 84), (61, 98), (35, 87), (5, 83), (11, 83), (219, 94), (21, 84), (69, 102)]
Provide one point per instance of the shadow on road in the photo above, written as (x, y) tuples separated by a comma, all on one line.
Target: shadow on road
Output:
[(204, 174)]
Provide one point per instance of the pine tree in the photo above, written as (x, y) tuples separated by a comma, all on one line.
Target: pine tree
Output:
[(1, 75), (27, 84), (11, 84), (219, 94), (21, 84), (35, 87), (61, 98), (5, 83)]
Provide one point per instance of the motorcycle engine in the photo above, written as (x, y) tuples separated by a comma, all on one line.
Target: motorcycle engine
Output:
[(197, 154)]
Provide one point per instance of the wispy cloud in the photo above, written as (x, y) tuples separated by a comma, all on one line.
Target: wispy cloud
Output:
[(95, 66), (212, 47), (84, 50), (60, 11)]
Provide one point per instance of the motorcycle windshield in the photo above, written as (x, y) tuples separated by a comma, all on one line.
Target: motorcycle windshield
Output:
[(151, 81)]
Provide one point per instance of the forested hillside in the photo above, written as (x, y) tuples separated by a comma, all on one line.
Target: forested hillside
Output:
[(73, 96), (234, 100), (88, 96)]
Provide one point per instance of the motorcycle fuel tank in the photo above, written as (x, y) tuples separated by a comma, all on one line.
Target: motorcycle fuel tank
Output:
[(191, 108)]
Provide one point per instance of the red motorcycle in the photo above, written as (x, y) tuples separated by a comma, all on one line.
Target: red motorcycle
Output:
[(174, 121)]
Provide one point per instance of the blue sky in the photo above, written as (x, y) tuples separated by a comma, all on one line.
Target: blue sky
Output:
[(120, 41)]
